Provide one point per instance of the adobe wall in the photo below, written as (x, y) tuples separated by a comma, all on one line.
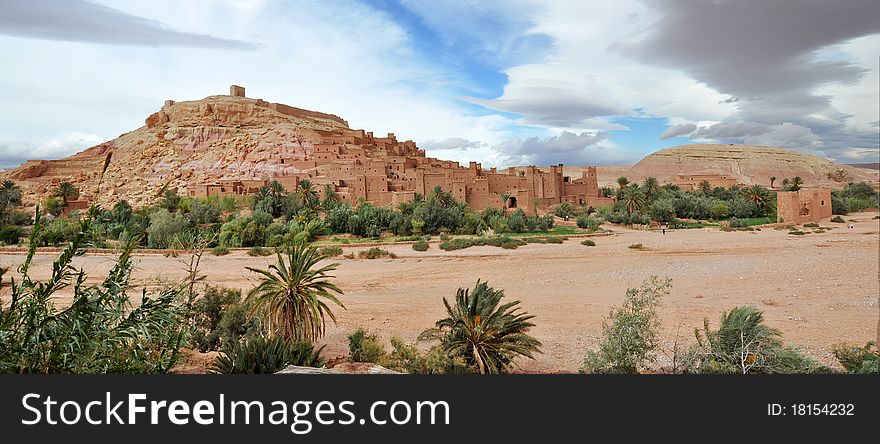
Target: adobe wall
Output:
[(806, 205)]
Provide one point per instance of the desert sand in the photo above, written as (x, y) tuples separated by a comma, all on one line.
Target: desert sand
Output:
[(818, 289)]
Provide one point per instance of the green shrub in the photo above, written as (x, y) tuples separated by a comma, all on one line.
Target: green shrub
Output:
[(99, 332), (738, 223), (744, 344), (556, 240), (330, 251), (495, 241), (589, 223), (259, 251), (421, 246), (588, 242), (629, 333), (164, 228), (218, 318), (636, 246), (219, 251), (10, 234), (811, 225), (859, 360), (796, 233), (259, 355), (408, 359), (838, 219), (376, 253), (445, 236), (365, 347)]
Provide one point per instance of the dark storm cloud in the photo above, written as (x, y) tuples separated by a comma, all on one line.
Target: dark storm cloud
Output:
[(81, 21), (678, 130), (765, 55), (749, 48)]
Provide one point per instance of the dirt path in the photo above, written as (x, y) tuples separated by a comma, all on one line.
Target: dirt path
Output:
[(819, 289)]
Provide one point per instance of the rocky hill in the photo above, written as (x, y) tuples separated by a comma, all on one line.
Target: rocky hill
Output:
[(748, 164), (184, 142)]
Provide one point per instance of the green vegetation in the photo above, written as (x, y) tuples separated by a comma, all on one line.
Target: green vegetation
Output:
[(636, 247), (744, 344), (858, 360), (485, 334), (292, 295), (99, 332), (588, 242), (365, 347), (505, 242), (376, 253), (329, 252), (853, 198), (421, 245), (838, 220), (219, 318), (629, 333), (259, 355)]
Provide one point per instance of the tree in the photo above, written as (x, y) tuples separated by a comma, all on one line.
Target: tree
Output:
[(440, 197), (307, 194), (651, 186), (772, 180), (758, 196), (66, 191), (705, 186), (633, 199), (796, 183), (10, 193), (630, 331), (292, 295), (485, 334), (622, 182)]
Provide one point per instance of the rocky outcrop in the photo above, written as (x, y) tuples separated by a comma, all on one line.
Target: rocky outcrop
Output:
[(183, 143)]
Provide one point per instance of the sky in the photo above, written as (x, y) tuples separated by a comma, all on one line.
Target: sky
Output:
[(502, 82)]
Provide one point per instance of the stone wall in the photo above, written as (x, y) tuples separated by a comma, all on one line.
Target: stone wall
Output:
[(806, 205)]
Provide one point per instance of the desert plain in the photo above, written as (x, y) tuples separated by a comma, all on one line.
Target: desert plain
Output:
[(818, 289)]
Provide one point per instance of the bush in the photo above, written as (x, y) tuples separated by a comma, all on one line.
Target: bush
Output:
[(220, 319), (376, 253), (421, 246), (811, 225), (365, 347), (556, 240), (330, 251), (259, 251), (743, 344), (164, 228), (738, 223), (629, 333), (636, 246), (54, 206), (796, 233), (495, 241), (588, 223), (588, 242), (408, 359), (99, 332), (10, 234), (259, 355), (219, 251), (838, 219), (858, 360)]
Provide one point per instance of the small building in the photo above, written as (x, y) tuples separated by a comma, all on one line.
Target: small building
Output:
[(805, 205)]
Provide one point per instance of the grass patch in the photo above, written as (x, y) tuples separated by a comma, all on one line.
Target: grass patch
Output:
[(376, 253), (219, 251), (796, 233), (259, 251)]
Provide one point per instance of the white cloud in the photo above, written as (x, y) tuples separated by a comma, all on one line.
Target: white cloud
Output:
[(15, 150)]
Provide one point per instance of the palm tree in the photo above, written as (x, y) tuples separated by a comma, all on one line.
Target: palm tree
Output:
[(785, 182), (10, 193), (277, 190), (486, 335), (633, 199), (758, 195), (66, 191), (772, 179), (307, 194), (291, 295), (443, 198), (705, 186), (651, 186), (796, 183), (622, 182), (504, 198)]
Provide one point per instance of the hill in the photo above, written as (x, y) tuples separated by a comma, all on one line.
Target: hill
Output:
[(748, 164)]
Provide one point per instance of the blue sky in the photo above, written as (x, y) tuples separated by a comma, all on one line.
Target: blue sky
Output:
[(501, 82)]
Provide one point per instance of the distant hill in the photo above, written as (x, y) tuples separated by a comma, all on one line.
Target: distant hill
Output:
[(867, 166), (749, 164)]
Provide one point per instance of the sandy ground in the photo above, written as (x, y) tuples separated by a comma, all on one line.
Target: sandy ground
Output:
[(818, 289)]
